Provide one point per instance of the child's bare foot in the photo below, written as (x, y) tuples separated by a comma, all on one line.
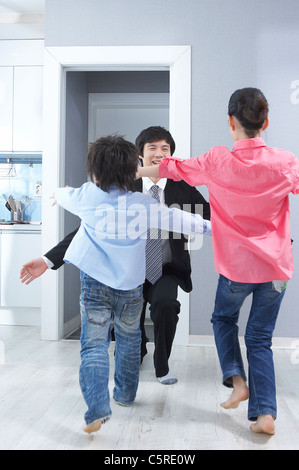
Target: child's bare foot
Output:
[(94, 427), (265, 424), (240, 393)]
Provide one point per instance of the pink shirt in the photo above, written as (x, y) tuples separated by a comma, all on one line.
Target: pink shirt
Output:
[(248, 191)]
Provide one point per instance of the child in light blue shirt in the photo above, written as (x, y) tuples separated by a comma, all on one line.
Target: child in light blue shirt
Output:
[(109, 250)]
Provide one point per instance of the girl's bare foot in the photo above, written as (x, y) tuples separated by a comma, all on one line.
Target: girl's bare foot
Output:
[(240, 393), (265, 424), (94, 427)]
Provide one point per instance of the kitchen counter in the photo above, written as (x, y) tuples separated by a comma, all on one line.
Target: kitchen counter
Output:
[(21, 227), (19, 304)]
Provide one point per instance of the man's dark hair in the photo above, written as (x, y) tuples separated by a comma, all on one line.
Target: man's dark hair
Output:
[(154, 134), (113, 161)]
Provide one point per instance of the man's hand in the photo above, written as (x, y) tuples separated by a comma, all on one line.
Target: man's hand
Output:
[(32, 270)]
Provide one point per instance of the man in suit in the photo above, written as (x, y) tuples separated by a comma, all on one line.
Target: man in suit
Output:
[(154, 144)]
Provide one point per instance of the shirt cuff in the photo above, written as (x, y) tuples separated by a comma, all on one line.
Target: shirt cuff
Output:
[(48, 262), (207, 227)]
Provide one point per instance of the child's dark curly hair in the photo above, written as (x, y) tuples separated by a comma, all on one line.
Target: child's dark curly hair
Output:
[(113, 161)]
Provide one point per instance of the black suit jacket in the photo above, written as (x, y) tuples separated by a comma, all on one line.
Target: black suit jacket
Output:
[(183, 196)]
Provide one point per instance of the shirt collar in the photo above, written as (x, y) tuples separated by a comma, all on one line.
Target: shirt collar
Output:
[(148, 183), (249, 143)]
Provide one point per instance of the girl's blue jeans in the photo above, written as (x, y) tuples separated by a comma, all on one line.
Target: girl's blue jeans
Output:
[(266, 301), (99, 305)]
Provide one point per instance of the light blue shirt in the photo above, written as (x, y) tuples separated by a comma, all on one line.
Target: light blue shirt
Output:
[(110, 243)]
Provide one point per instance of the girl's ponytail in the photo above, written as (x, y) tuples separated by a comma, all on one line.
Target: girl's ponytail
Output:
[(250, 107)]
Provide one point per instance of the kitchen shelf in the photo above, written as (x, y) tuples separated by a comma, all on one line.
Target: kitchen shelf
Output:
[(21, 228), (20, 158)]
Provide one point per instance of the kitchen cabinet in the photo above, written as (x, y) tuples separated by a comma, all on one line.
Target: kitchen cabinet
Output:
[(27, 109), (6, 108), (21, 109), (16, 248), (21, 93), (21, 52)]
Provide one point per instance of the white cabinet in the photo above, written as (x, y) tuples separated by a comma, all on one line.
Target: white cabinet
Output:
[(27, 109), (21, 93), (17, 248), (21, 52), (6, 108), (21, 109)]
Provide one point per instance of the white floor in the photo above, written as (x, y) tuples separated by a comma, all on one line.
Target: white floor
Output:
[(41, 407)]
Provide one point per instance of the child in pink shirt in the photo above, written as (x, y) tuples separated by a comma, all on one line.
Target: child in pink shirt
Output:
[(248, 188)]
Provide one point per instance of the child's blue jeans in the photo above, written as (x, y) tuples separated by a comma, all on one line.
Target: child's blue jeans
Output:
[(267, 298), (99, 305)]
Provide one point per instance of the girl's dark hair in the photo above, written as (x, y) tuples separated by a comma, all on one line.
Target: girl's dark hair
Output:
[(250, 107), (154, 134), (113, 161)]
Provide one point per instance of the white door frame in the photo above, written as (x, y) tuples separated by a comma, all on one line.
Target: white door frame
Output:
[(58, 60)]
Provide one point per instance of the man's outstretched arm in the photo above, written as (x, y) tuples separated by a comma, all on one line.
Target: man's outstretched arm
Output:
[(38, 266)]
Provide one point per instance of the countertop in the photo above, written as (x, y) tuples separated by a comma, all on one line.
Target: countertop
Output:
[(21, 228)]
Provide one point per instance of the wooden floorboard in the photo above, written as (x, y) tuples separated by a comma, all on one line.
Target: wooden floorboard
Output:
[(41, 407)]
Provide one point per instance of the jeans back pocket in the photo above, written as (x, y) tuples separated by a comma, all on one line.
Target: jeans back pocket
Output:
[(132, 311), (97, 305)]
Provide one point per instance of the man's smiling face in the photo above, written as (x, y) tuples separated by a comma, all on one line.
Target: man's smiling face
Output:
[(155, 152)]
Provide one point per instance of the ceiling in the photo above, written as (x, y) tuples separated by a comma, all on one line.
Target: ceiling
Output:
[(21, 6)]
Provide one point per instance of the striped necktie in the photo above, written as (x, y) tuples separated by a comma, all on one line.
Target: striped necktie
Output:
[(154, 248)]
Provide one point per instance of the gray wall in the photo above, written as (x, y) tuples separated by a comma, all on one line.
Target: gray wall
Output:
[(128, 82), (235, 43)]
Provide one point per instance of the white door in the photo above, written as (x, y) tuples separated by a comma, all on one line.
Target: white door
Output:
[(126, 114)]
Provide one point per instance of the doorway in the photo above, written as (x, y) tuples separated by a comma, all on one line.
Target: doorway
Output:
[(176, 60), (98, 104)]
